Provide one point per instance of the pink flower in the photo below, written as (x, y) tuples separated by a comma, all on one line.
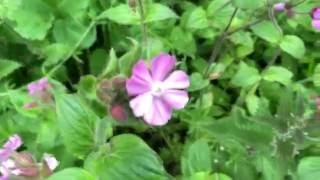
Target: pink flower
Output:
[(50, 161), (38, 86), (315, 14), (279, 6), (13, 143), (157, 90)]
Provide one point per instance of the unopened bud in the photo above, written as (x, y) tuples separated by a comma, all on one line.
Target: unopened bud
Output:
[(279, 6), (118, 112), (119, 82), (30, 105), (132, 3), (24, 159), (104, 91)]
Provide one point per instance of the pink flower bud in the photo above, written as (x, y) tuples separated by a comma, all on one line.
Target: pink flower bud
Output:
[(118, 112), (279, 6), (119, 83), (316, 24), (30, 105)]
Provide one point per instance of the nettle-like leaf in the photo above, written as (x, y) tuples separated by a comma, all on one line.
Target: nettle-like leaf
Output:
[(248, 4), (31, 19), (121, 14), (76, 123), (196, 158), (267, 31), (309, 168), (7, 67), (197, 19), (277, 74), (246, 76), (158, 12), (72, 174), (294, 46), (75, 9), (126, 156)]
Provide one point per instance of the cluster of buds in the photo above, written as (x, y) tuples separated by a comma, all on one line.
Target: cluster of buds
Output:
[(39, 90), (15, 164), (315, 15), (112, 94)]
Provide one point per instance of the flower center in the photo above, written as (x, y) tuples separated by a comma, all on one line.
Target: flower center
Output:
[(157, 89)]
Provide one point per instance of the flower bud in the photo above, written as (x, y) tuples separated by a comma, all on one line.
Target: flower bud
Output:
[(104, 91), (279, 6), (119, 83), (118, 112)]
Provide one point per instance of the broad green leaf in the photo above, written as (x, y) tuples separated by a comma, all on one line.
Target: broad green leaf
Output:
[(196, 158), (7, 67), (98, 60), (207, 176), (183, 41), (219, 12), (87, 86), (76, 123), (197, 19), (54, 53), (277, 74), (158, 12), (270, 167), (75, 9), (316, 76), (72, 174), (126, 156), (112, 65), (31, 19), (127, 61), (309, 168), (294, 46), (246, 76), (248, 4), (71, 33), (267, 31), (122, 14), (252, 102), (197, 82)]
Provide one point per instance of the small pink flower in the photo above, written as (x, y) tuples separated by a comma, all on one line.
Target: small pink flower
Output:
[(50, 161), (38, 86), (13, 143), (279, 6), (157, 90), (316, 24), (315, 15)]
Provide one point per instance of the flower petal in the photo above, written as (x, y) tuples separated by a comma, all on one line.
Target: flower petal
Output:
[(136, 86), (316, 13), (316, 24), (177, 99), (161, 66), (141, 71), (51, 161), (141, 104), (4, 154), (177, 80), (159, 114), (13, 143)]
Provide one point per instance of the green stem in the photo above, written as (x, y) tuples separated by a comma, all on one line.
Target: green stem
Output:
[(144, 29)]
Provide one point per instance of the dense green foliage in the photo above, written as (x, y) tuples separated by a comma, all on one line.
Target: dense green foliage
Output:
[(255, 78)]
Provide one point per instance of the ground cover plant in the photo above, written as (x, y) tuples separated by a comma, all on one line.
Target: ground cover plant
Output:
[(160, 89)]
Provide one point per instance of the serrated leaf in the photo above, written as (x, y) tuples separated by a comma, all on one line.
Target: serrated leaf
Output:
[(196, 158), (293, 45), (277, 74), (72, 174), (76, 124), (197, 82), (158, 12), (246, 76), (31, 19), (76, 9), (54, 53), (267, 31), (126, 156), (197, 19), (7, 67), (121, 14), (248, 4)]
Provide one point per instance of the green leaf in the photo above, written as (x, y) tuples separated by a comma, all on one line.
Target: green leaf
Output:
[(309, 168), (122, 14), (316, 76), (127, 61), (76, 123), (197, 19), (277, 74), (71, 32), (87, 86), (98, 60), (183, 41), (54, 53), (248, 4), (197, 82), (72, 174), (7, 67), (31, 19), (252, 102), (207, 176), (158, 12), (126, 156), (112, 65), (294, 46), (267, 31), (196, 158), (246, 76), (74, 9)]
